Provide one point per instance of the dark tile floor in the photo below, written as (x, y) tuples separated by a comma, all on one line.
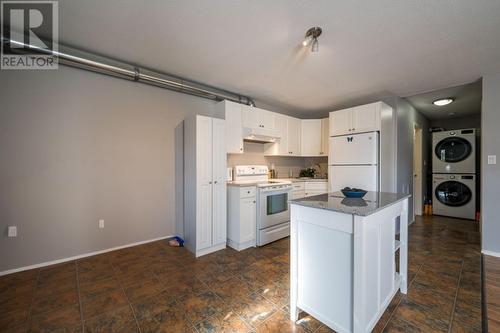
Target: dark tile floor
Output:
[(155, 288)]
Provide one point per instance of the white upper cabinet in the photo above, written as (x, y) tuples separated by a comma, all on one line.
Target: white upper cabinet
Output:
[(234, 126), (267, 119), (250, 116), (325, 135), (359, 119), (296, 137), (341, 122), (311, 137), (366, 118), (281, 147), (289, 144), (257, 118), (293, 128)]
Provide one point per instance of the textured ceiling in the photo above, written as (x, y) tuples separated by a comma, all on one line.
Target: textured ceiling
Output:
[(467, 101), (368, 50)]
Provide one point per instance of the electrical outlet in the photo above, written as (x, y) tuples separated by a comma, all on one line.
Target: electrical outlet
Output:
[(492, 159), (12, 231), (101, 224)]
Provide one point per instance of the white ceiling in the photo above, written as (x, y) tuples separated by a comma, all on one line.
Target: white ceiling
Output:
[(467, 101), (368, 50)]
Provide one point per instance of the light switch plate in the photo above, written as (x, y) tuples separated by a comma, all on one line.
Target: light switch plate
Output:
[(492, 159), (12, 231)]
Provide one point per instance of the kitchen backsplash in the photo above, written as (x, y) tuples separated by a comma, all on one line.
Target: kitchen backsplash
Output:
[(254, 154)]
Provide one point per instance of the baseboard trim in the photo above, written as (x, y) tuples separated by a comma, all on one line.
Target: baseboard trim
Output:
[(491, 253), (211, 249), (240, 246), (80, 256)]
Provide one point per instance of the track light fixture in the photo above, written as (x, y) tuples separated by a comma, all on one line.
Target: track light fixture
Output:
[(311, 37)]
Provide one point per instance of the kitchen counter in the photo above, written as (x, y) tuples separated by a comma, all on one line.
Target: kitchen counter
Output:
[(242, 184), (371, 203), (295, 180), (343, 256)]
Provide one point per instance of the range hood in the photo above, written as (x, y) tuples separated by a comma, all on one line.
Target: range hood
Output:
[(260, 135)]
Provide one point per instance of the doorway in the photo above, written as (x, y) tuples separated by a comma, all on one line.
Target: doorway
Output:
[(417, 171)]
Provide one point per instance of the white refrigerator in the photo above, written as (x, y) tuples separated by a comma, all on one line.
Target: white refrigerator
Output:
[(354, 161)]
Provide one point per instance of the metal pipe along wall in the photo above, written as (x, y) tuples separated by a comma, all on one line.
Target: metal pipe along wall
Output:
[(85, 60)]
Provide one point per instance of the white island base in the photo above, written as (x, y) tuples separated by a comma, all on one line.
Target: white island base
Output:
[(342, 265)]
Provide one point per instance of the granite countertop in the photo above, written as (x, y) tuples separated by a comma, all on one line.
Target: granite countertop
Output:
[(242, 184), (337, 202), (295, 180)]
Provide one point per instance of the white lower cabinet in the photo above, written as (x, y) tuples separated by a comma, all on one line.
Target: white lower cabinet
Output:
[(315, 188), (204, 184), (301, 189), (241, 212), (298, 190)]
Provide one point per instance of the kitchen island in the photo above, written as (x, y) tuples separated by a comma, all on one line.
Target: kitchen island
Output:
[(343, 257)]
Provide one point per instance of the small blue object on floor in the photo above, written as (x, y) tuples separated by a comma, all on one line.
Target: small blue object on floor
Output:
[(176, 241)]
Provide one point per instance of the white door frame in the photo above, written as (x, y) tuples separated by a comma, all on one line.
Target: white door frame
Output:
[(417, 170)]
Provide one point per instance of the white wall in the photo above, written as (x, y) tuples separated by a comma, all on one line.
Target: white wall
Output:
[(77, 146), (407, 117), (470, 121), (490, 174)]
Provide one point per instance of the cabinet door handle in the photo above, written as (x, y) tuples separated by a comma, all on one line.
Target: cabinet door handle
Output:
[(210, 182), (254, 201), (241, 148), (248, 192), (215, 182)]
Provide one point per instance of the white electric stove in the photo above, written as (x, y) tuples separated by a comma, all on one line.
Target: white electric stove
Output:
[(273, 211)]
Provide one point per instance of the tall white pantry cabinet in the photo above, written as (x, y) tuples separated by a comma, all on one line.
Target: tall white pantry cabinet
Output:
[(204, 184)]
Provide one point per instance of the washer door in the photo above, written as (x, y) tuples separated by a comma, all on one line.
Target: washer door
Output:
[(453, 149), (453, 193)]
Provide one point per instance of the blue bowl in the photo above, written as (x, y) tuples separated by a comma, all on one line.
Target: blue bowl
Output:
[(353, 194)]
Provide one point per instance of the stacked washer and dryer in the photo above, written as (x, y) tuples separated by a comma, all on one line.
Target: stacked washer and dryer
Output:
[(454, 173)]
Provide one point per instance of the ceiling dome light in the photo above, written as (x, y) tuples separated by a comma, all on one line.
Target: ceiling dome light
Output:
[(443, 101), (311, 37)]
